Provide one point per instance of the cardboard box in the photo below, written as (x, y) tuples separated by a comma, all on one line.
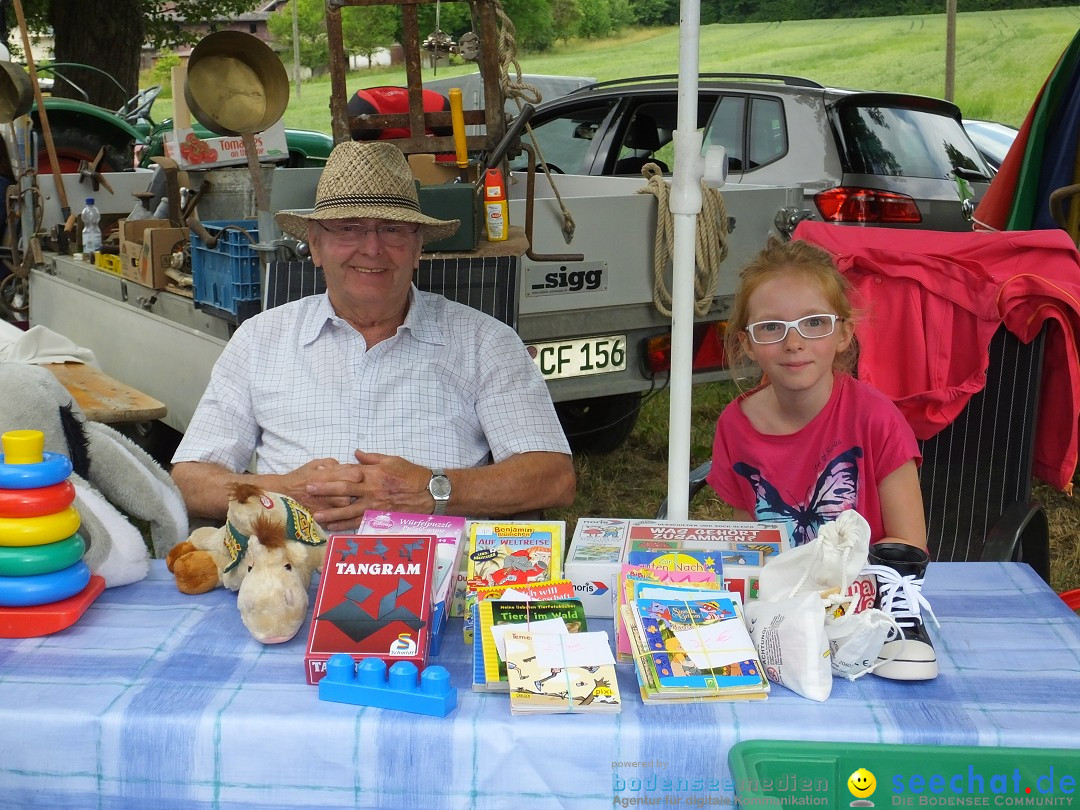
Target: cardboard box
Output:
[(192, 152), (600, 546), (132, 230), (431, 172), (155, 256), (593, 563), (373, 601)]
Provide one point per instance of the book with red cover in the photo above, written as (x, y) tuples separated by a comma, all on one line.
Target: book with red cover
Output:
[(374, 600)]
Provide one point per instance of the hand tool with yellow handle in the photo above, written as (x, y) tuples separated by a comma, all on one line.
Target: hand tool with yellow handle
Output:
[(457, 121)]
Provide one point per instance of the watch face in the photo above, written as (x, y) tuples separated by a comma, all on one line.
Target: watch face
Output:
[(439, 487)]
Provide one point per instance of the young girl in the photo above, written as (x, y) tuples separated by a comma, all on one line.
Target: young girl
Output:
[(811, 441)]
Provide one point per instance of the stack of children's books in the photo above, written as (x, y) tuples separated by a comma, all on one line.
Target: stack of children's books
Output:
[(564, 673), (691, 644), (683, 630), (511, 553), (529, 633)]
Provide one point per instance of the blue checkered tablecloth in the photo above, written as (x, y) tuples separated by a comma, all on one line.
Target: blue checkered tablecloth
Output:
[(159, 700)]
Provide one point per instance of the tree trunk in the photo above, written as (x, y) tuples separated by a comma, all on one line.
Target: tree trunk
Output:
[(105, 34)]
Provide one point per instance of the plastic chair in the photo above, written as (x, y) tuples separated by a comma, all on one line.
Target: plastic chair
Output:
[(976, 474)]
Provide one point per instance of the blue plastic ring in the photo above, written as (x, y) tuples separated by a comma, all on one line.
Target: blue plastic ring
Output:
[(52, 469), (43, 589), (26, 561)]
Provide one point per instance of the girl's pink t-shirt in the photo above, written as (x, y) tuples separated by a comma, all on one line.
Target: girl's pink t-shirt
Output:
[(807, 478)]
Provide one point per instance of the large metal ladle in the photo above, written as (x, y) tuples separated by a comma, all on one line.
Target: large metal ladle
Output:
[(236, 85)]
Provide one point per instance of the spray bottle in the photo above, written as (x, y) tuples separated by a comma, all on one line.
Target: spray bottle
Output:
[(495, 210)]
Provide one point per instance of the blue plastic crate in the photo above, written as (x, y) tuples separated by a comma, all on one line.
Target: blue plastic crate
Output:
[(227, 277)]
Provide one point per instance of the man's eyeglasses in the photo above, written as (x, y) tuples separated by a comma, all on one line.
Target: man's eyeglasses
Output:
[(350, 233), (810, 327)]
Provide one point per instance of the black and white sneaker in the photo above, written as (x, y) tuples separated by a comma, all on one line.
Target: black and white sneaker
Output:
[(899, 570)]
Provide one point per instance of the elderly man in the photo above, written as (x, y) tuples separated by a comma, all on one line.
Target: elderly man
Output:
[(375, 395)]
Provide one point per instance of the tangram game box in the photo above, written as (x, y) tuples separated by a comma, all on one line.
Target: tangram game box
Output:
[(374, 600)]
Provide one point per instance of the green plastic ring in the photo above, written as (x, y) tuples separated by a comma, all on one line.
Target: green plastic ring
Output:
[(25, 561)]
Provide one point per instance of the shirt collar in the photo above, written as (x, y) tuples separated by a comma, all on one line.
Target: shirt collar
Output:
[(422, 320)]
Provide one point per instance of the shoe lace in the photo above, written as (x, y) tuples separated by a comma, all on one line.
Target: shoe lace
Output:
[(901, 596)]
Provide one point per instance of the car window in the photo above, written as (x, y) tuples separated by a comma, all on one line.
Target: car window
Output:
[(768, 134), (904, 143), (726, 130), (567, 141), (649, 132)]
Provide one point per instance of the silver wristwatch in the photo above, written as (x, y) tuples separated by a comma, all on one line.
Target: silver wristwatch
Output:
[(439, 487)]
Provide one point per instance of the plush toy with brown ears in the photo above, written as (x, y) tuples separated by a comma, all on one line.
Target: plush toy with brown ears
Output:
[(267, 550)]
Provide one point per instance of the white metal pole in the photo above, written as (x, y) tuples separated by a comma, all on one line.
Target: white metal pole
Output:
[(685, 203)]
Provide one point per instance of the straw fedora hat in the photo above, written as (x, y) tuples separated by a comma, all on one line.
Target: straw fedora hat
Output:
[(366, 180)]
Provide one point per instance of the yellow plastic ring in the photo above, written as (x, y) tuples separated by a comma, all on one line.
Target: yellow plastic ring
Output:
[(36, 531)]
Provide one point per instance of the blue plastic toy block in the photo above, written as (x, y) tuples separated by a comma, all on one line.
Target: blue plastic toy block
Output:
[(369, 684)]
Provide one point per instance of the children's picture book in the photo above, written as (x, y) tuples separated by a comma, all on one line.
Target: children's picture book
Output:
[(757, 550), (521, 616), (449, 532), (374, 599), (631, 575), (553, 589), (695, 648), (567, 673), (514, 552)]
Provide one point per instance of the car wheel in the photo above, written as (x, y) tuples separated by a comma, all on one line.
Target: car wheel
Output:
[(74, 146), (601, 424)]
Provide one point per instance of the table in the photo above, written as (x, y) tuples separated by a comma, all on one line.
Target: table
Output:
[(103, 398), (158, 699)]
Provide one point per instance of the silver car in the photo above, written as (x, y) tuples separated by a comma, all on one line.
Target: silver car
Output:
[(862, 158)]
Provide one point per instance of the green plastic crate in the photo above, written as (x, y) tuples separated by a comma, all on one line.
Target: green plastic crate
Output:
[(775, 773)]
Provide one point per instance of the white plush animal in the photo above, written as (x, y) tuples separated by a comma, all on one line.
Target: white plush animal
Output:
[(115, 480)]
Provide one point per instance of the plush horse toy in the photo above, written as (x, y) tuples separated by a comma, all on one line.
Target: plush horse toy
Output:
[(267, 551)]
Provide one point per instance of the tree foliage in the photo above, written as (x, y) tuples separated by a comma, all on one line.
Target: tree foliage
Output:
[(110, 34), (364, 30)]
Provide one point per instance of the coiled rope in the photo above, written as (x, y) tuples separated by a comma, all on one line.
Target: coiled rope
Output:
[(710, 249), (513, 87)]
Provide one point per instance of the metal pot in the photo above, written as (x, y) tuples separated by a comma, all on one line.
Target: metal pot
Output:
[(236, 84), (16, 92)]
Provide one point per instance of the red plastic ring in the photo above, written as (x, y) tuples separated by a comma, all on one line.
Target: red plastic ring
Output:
[(18, 503)]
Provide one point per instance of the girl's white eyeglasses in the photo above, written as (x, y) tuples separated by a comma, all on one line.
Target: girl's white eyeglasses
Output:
[(810, 327)]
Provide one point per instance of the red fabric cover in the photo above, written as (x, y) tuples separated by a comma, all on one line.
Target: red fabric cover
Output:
[(932, 300), (390, 100)]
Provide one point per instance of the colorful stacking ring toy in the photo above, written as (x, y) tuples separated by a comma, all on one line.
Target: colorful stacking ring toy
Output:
[(44, 559), (24, 466), (43, 589), (24, 503), (36, 531)]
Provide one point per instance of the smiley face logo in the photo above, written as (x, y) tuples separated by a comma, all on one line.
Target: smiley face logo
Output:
[(862, 783)]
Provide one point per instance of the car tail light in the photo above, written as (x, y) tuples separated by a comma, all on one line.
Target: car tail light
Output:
[(867, 206), (708, 349)]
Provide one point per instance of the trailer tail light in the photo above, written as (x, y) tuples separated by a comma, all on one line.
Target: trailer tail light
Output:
[(708, 349), (867, 206)]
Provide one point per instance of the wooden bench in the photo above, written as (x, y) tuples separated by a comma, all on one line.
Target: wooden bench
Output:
[(104, 398)]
